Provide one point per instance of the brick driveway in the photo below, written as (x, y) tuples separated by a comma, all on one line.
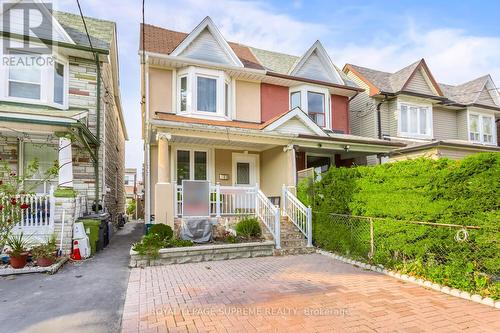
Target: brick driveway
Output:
[(308, 293)]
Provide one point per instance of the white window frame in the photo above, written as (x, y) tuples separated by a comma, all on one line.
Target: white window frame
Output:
[(429, 129), (46, 85), (192, 73), (191, 161), (480, 128), (304, 89), (22, 159)]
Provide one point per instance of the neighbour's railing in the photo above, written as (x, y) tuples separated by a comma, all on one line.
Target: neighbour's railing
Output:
[(82, 208), (299, 214), (37, 217), (269, 215)]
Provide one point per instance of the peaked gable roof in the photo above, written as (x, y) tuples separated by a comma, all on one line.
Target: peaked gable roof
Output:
[(316, 63), (473, 92), (294, 114), (384, 82), (207, 26), (165, 41)]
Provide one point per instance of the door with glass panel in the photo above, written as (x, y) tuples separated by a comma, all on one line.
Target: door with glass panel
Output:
[(245, 169)]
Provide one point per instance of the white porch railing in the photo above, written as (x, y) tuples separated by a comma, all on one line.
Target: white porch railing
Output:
[(299, 214), (36, 221), (269, 215), (238, 200)]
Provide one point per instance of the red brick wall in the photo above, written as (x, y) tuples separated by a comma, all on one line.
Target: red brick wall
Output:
[(340, 113), (274, 100)]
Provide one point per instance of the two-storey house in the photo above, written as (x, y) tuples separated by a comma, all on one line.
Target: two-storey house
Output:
[(239, 117), (60, 101), (433, 119)]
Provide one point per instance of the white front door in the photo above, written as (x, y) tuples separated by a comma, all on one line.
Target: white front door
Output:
[(245, 169)]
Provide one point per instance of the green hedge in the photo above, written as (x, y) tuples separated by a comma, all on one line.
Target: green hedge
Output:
[(442, 191)]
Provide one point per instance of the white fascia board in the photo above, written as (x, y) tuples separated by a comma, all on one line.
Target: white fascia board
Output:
[(189, 61), (23, 116), (299, 114), (325, 58), (209, 24)]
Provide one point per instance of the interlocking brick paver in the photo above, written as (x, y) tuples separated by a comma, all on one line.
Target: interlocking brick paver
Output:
[(307, 293)]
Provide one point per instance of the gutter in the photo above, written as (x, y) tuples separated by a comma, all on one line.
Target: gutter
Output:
[(445, 144), (98, 131), (323, 83)]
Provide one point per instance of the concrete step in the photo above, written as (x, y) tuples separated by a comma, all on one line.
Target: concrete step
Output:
[(294, 251), (289, 243)]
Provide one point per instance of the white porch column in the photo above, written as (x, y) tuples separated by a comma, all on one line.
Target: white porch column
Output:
[(65, 163), (291, 168), (164, 190)]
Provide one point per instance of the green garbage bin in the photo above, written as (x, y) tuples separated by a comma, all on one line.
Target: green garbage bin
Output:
[(92, 231)]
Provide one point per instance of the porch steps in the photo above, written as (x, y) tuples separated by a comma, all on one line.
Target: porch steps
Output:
[(292, 240)]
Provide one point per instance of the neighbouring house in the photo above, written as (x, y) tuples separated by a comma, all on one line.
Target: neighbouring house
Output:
[(131, 188), (433, 119), (68, 110), (243, 118)]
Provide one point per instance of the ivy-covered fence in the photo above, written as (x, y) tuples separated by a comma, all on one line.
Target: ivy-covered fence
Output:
[(369, 213)]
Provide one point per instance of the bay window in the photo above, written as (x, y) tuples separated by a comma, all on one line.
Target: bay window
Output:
[(415, 121), (481, 128), (203, 92), (314, 101), (191, 165), (34, 79)]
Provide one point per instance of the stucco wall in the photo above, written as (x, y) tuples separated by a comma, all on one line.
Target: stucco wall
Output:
[(223, 165), (160, 90), (248, 101), (273, 171), (274, 100)]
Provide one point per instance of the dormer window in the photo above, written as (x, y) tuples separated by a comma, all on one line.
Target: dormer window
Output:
[(314, 101), (203, 92), (34, 79)]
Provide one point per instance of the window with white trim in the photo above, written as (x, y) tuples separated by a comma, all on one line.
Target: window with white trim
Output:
[(415, 120), (46, 156), (203, 92), (35, 79), (481, 128), (315, 101), (191, 165)]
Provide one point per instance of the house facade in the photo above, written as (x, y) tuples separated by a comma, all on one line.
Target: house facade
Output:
[(66, 110), (432, 119), (239, 117)]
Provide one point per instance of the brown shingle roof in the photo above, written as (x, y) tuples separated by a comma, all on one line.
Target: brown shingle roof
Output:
[(165, 41)]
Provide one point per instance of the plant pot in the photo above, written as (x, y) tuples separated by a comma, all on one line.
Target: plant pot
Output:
[(45, 262), (18, 261)]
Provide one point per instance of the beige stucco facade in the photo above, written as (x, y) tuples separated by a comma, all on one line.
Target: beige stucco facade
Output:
[(247, 101), (160, 90)]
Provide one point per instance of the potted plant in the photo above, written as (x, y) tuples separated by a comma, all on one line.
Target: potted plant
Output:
[(18, 252), (45, 254)]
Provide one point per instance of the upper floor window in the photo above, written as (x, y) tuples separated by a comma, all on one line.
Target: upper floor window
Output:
[(34, 79), (415, 120), (204, 92), (481, 128), (314, 101)]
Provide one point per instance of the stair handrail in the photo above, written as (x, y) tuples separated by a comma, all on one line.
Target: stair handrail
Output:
[(298, 213), (269, 214)]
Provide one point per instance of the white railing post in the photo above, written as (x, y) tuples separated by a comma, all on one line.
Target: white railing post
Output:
[(309, 226), (217, 200), (52, 201), (283, 199), (277, 229)]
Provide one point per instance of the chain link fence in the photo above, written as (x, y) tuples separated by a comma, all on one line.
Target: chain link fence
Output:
[(463, 257)]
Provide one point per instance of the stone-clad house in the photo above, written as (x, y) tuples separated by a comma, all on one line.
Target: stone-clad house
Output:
[(68, 111), (249, 121), (432, 119)]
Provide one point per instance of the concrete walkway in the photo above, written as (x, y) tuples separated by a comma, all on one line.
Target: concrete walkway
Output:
[(307, 293), (82, 297)]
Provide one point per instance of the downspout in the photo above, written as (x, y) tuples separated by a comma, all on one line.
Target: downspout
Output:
[(98, 111), (379, 123)]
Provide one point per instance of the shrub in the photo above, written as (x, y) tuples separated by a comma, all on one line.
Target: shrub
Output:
[(248, 227), (164, 231), (441, 191), (179, 243), (149, 245)]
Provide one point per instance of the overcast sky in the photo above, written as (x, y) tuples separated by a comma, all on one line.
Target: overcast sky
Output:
[(460, 40)]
